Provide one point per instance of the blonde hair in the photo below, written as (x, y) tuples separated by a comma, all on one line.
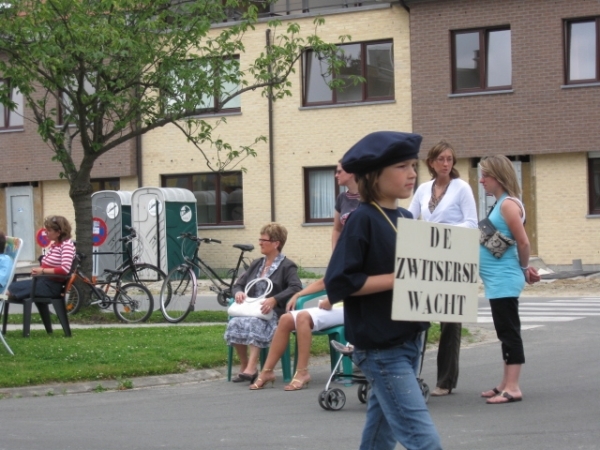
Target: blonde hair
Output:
[(276, 232), (501, 169), (436, 151), (60, 224)]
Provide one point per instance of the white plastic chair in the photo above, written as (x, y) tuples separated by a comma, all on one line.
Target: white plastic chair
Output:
[(13, 249)]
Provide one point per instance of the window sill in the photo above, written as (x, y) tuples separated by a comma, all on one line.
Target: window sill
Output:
[(317, 224), (221, 227), (581, 85), (347, 105), (473, 94), (219, 114), (12, 130), (592, 216)]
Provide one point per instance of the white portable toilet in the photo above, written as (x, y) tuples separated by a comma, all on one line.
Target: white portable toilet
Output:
[(110, 209), (160, 215)]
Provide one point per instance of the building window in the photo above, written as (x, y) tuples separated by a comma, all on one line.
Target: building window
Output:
[(481, 60), (220, 75), (105, 184), (219, 196), (582, 51), (372, 60), (594, 181), (320, 191), (65, 107), (12, 120)]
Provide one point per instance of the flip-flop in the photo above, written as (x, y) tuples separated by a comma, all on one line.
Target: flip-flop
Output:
[(494, 390), (509, 399)]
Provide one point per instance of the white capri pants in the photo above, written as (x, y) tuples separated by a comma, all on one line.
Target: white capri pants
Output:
[(322, 318)]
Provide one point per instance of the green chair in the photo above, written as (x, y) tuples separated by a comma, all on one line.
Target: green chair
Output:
[(12, 249), (335, 333), (285, 361)]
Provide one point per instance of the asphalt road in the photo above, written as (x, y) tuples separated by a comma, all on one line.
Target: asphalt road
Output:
[(560, 409)]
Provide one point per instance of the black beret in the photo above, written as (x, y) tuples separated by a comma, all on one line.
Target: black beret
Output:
[(381, 149)]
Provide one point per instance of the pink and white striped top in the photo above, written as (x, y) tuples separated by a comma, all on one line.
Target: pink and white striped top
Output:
[(59, 257)]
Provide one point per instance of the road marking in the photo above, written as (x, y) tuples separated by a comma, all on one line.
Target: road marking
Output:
[(557, 310)]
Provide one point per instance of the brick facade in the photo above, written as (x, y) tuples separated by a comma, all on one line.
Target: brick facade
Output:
[(554, 125)]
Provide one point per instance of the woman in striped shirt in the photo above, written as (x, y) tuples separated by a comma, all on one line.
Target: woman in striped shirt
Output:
[(57, 260)]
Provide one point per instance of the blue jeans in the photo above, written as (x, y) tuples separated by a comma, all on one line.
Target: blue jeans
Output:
[(396, 410)]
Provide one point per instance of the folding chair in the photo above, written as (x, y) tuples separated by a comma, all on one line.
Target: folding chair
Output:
[(12, 249)]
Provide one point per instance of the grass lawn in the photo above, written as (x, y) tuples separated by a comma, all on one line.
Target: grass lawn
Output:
[(121, 352)]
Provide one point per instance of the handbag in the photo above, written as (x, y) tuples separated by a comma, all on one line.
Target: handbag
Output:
[(492, 239), (251, 306)]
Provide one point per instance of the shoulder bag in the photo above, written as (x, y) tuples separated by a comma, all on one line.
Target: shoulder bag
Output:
[(496, 242), (251, 306)]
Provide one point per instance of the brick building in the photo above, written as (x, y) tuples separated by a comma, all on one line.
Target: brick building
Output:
[(521, 78)]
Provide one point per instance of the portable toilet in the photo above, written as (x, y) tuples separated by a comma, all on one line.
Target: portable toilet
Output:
[(160, 215), (111, 211)]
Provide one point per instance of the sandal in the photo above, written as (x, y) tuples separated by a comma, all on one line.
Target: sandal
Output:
[(293, 386), (256, 386), (487, 394)]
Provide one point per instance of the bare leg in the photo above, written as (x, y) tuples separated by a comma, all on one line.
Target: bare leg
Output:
[(242, 352), (278, 345), (510, 384), (304, 327), (252, 360)]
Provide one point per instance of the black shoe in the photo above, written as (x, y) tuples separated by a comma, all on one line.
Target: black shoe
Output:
[(241, 377)]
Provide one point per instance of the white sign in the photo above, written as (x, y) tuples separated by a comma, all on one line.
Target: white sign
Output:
[(112, 210), (437, 272), (186, 213), (153, 205)]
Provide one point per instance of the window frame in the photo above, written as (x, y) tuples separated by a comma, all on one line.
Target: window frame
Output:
[(567, 50), (218, 189), (337, 190), (103, 184), (364, 72), (484, 33), (593, 163), (5, 125), (217, 107)]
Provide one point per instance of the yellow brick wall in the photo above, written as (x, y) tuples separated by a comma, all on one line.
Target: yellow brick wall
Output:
[(565, 233), (303, 137)]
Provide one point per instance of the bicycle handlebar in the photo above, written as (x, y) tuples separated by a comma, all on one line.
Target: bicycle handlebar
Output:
[(194, 238), (132, 234)]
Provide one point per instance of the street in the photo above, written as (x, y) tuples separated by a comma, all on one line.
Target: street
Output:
[(560, 406)]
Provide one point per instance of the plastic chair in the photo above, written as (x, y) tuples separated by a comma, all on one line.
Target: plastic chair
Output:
[(286, 363), (334, 333), (12, 249), (42, 304)]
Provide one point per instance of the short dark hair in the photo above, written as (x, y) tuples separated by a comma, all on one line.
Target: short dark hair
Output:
[(2, 241)]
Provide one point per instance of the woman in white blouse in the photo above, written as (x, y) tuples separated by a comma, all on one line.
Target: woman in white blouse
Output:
[(445, 199)]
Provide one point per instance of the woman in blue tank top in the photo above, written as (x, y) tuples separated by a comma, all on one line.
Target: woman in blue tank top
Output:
[(504, 278)]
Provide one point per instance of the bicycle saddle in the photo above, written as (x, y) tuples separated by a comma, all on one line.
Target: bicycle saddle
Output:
[(244, 247)]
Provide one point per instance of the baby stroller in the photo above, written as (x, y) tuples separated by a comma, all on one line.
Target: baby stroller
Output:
[(334, 399)]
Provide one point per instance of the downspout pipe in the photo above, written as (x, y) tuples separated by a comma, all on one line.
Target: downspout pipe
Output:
[(271, 147), (138, 146)]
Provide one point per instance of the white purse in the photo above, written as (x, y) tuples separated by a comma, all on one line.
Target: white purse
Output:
[(251, 306)]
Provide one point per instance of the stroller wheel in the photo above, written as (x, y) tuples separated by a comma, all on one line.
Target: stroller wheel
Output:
[(363, 392), (322, 403), (425, 390), (335, 399)]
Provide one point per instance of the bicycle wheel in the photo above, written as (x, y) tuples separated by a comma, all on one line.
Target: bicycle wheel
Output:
[(73, 300), (182, 282), (148, 275), (133, 303)]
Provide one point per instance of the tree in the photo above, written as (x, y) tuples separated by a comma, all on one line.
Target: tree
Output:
[(98, 73)]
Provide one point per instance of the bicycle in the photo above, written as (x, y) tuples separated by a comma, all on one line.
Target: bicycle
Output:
[(132, 302), (177, 303), (130, 271)]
